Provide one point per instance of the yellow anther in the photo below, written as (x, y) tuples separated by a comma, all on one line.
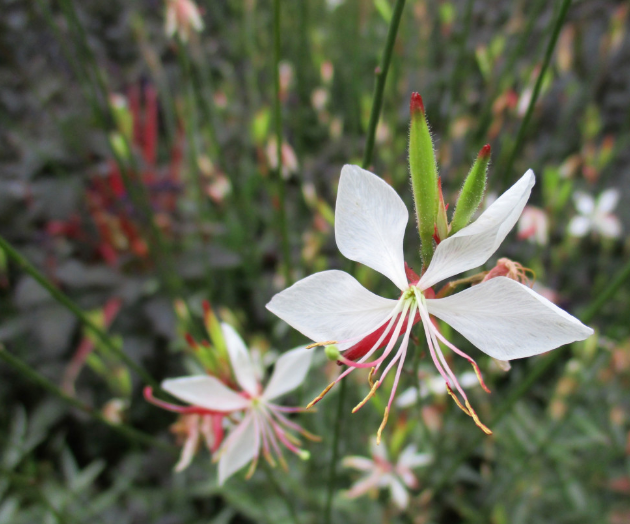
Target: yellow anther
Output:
[(382, 427), (251, 469), (459, 404), (371, 376), (479, 377), (269, 459), (484, 428), (368, 397), (315, 344), (321, 395)]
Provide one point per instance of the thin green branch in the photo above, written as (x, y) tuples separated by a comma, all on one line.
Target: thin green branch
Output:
[(377, 103), (381, 78), (557, 26), (126, 431), (68, 303), (332, 474), (277, 111), (281, 493), (542, 365)]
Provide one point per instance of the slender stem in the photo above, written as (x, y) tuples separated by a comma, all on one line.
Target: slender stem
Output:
[(541, 366), (332, 474), (281, 493), (381, 77), (65, 301), (277, 110), (128, 432), (557, 25), (377, 103)]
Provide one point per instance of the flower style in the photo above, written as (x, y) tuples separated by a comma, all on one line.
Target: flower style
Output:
[(182, 17), (596, 216), (381, 473), (259, 423), (501, 317)]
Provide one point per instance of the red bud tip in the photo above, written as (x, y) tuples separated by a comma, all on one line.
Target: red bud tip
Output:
[(416, 103), (206, 306), (191, 341), (485, 151)]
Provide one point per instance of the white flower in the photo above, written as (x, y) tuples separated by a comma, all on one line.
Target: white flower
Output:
[(596, 216), (182, 17), (380, 473), (503, 318), (262, 424), (534, 225)]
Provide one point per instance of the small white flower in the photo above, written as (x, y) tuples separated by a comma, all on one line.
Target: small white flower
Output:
[(596, 216), (501, 317), (380, 473), (262, 424), (182, 17)]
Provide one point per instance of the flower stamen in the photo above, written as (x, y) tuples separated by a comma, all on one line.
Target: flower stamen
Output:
[(368, 397)]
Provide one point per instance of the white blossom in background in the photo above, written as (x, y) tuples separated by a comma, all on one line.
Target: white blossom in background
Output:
[(261, 425), (182, 18), (289, 158), (534, 226), (501, 317), (596, 215), (433, 385), (380, 473)]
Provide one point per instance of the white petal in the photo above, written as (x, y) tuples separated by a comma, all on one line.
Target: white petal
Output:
[(289, 372), (370, 222), (359, 463), (579, 226), (206, 392), (238, 450), (239, 358), (190, 446), (409, 458), (608, 226), (584, 202), (330, 305), (607, 201), (507, 320), (474, 245), (364, 485), (400, 497)]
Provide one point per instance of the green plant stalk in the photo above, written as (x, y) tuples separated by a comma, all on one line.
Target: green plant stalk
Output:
[(332, 473), (381, 78), (541, 366), (281, 493), (486, 113), (277, 111), (377, 103), (557, 26), (128, 432), (65, 301)]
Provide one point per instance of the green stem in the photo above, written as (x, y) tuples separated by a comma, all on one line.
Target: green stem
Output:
[(332, 474), (65, 301), (541, 366), (128, 432), (381, 77), (557, 25), (377, 103), (281, 492), (277, 110)]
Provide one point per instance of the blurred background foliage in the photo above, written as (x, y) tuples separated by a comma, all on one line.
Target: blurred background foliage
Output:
[(138, 175)]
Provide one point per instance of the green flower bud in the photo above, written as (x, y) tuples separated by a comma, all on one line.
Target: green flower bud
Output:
[(423, 167), (472, 192)]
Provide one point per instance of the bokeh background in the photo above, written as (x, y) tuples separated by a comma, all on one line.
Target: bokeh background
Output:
[(138, 173)]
